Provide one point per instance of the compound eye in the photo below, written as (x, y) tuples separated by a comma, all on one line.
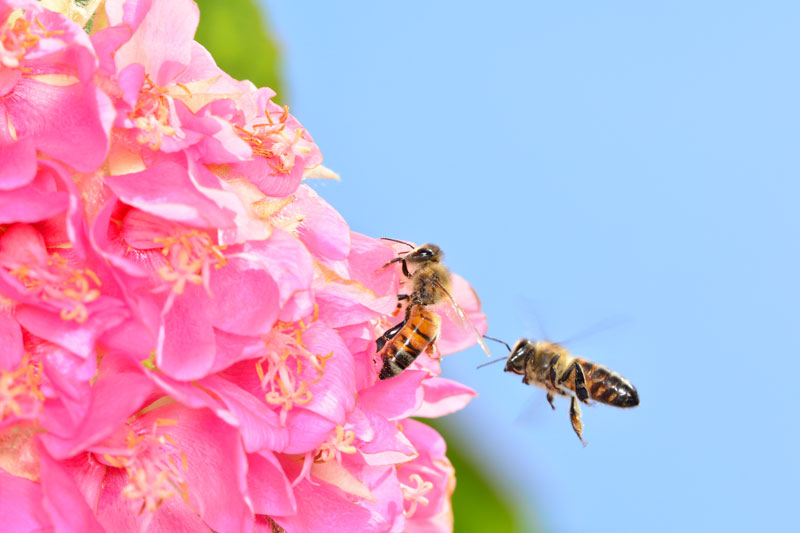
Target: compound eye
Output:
[(516, 361), (424, 253)]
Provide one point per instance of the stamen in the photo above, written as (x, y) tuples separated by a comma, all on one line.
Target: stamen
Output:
[(190, 255), (416, 495), (55, 280)]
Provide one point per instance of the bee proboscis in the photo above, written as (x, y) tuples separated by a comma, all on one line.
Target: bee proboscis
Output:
[(429, 279), (551, 366)]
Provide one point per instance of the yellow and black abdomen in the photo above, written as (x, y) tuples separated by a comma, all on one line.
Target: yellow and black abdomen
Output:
[(420, 330), (608, 387)]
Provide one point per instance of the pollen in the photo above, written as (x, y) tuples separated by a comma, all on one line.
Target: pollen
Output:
[(191, 256), (69, 288)]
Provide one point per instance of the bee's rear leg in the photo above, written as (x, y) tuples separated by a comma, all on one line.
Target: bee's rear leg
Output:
[(432, 351), (550, 397), (390, 333), (575, 418)]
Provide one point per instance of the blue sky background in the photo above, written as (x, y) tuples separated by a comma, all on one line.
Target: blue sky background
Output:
[(580, 161)]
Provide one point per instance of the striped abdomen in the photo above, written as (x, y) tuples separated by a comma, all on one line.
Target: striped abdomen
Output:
[(608, 387), (420, 330)]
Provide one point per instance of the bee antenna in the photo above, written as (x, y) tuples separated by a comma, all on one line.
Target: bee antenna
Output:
[(398, 241), (493, 361), (497, 340)]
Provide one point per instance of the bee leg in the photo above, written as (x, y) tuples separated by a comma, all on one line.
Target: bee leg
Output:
[(575, 418), (390, 333), (580, 381), (552, 373), (550, 397)]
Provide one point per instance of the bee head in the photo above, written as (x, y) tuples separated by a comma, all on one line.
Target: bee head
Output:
[(427, 253), (520, 353)]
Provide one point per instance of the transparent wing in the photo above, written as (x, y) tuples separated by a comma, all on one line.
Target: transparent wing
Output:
[(465, 319)]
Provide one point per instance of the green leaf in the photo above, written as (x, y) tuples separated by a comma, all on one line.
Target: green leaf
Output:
[(236, 34)]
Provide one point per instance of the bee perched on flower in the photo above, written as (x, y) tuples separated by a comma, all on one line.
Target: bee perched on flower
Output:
[(187, 327)]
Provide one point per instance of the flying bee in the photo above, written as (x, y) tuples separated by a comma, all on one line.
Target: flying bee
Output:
[(552, 367), (430, 284)]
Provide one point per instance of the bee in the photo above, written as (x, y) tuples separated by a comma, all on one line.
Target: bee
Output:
[(429, 281), (551, 366)]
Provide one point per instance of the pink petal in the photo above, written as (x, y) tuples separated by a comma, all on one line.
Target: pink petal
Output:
[(217, 464), (307, 430), (166, 190), (395, 398), (83, 112), (442, 397), (388, 446), (19, 163), (245, 298), (63, 501), (334, 394), (365, 263), (21, 504), (79, 338), (117, 513), (287, 261), (323, 229), (269, 488), (258, 425), (32, 203), (11, 349), (323, 505), (114, 399), (186, 338)]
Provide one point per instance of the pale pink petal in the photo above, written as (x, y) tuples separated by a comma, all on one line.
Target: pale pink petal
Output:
[(162, 41), (442, 397), (269, 488)]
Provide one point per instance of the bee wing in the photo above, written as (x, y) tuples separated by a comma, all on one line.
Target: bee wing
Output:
[(464, 319)]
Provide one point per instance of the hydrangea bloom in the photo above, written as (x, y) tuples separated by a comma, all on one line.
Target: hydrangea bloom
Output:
[(186, 329)]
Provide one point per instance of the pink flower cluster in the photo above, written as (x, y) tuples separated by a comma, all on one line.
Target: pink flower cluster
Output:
[(186, 329)]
